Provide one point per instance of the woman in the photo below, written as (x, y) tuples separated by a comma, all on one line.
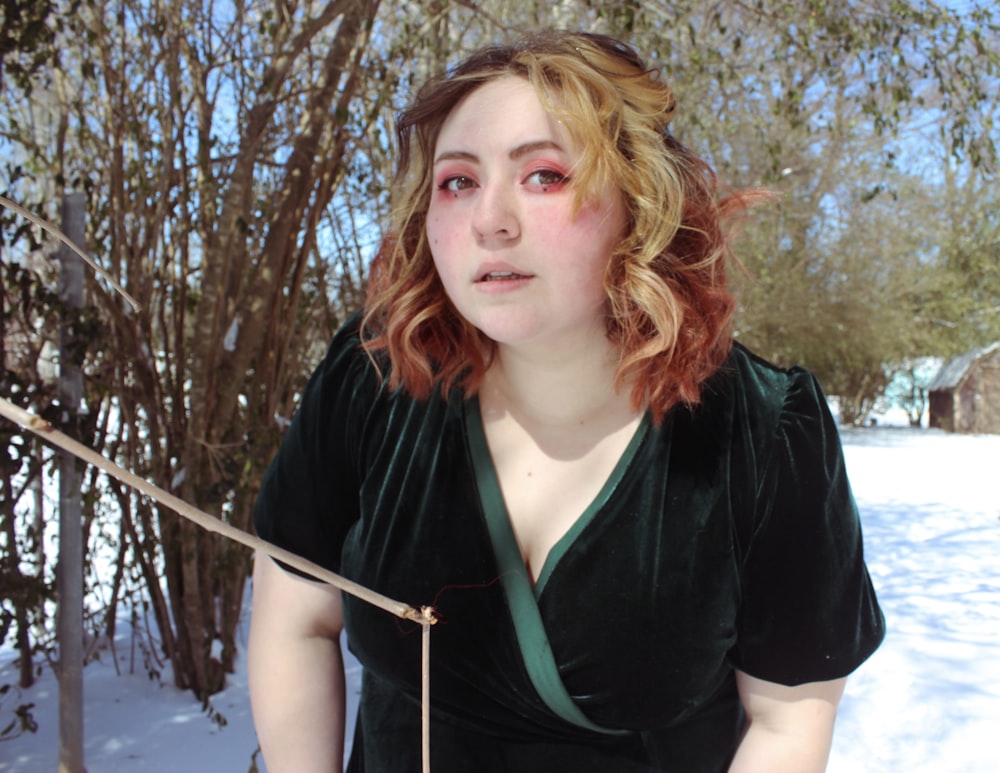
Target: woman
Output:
[(638, 537)]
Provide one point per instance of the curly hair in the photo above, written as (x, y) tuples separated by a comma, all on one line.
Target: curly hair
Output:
[(669, 305)]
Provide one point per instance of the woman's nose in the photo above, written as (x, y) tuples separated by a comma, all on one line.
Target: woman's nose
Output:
[(495, 218)]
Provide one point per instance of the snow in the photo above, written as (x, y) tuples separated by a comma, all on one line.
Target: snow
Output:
[(927, 702), (929, 699)]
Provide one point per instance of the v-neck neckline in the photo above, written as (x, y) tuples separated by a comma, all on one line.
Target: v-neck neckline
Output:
[(495, 509), (522, 597)]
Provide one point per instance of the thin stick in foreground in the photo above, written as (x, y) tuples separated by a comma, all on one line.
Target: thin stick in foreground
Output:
[(425, 687), (47, 432), (424, 616)]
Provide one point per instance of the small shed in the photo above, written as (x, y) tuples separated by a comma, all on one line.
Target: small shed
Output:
[(965, 394)]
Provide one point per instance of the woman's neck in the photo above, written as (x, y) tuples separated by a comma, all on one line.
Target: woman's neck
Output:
[(556, 387)]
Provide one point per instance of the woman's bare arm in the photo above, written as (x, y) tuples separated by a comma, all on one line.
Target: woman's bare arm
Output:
[(790, 728), (296, 671)]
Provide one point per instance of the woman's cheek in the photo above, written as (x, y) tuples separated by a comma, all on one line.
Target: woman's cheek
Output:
[(438, 242), (441, 230), (433, 229)]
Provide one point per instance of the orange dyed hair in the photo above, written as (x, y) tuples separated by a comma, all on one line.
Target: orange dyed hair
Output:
[(669, 305)]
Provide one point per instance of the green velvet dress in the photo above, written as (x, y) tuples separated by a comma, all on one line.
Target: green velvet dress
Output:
[(726, 538)]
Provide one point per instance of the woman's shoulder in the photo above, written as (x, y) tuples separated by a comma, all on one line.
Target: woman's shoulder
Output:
[(747, 375), (749, 369), (346, 343), (344, 384), (347, 363), (357, 382), (762, 396)]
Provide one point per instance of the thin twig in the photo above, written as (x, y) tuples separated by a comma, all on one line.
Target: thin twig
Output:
[(47, 432), (424, 616), (425, 688), (56, 232)]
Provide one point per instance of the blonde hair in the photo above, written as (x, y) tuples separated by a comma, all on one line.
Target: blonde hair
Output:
[(669, 307)]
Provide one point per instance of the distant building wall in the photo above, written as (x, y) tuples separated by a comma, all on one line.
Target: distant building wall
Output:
[(988, 394), (971, 403), (941, 410)]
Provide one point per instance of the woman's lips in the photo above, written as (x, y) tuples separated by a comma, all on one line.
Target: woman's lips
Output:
[(500, 271), (499, 276)]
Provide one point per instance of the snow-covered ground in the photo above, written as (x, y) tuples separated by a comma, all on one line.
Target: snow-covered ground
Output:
[(927, 702)]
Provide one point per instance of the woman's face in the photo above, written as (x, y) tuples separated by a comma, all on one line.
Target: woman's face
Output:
[(514, 258)]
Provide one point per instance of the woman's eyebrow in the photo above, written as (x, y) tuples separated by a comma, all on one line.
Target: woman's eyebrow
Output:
[(530, 147), (456, 155), (516, 154)]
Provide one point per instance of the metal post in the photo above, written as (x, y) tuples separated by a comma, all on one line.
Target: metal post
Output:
[(69, 576)]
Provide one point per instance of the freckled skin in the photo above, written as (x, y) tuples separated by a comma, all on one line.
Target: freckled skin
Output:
[(512, 256)]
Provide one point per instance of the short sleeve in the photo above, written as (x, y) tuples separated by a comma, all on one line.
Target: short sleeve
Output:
[(309, 494), (808, 610)]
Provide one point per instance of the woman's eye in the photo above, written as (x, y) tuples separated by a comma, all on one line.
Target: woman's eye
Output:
[(547, 178), (456, 184)]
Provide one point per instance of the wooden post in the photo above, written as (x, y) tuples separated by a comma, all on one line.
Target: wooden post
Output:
[(69, 577)]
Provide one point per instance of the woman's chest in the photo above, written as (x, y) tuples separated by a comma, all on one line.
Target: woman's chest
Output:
[(638, 606), (548, 482)]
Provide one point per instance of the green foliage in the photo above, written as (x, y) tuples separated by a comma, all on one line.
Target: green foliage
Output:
[(854, 113), (895, 63)]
